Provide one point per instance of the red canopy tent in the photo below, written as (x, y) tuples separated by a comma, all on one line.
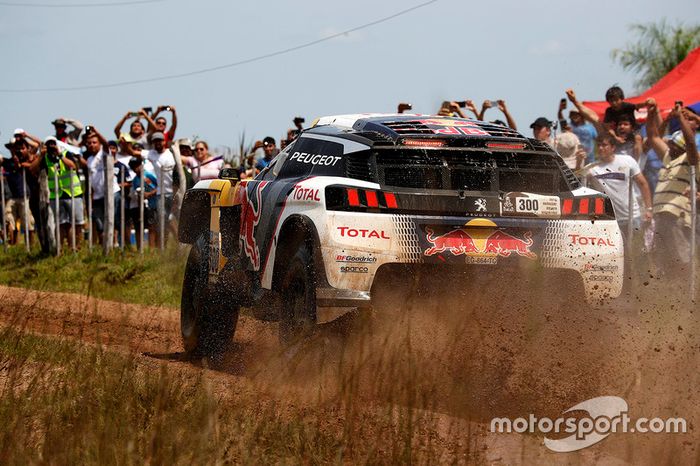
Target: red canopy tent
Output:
[(681, 83)]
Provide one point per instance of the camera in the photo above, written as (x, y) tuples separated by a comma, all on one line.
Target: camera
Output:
[(461, 103), (133, 114), (52, 153), (679, 102), (148, 110), (88, 129), (167, 108)]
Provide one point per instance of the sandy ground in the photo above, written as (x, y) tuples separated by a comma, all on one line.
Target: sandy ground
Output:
[(457, 359)]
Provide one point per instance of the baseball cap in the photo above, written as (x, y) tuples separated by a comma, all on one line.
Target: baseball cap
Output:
[(50, 138), (678, 139), (184, 142), (566, 144), (18, 131), (59, 122), (157, 135), (540, 122)]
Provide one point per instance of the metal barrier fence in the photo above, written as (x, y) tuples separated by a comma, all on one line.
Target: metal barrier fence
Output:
[(157, 220)]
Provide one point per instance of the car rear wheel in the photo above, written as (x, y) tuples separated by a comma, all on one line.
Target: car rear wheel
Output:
[(208, 317), (298, 286)]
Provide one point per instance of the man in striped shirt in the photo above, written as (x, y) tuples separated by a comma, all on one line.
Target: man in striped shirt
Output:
[(672, 208)]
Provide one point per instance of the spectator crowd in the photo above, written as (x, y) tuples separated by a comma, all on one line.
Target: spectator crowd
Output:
[(53, 186)]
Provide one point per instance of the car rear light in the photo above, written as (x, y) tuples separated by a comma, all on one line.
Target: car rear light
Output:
[(361, 200), (424, 142), (590, 207), (391, 200), (371, 197), (583, 206), (505, 145), (353, 198)]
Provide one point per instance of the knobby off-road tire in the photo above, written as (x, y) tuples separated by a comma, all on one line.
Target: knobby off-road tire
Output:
[(298, 287), (208, 315)]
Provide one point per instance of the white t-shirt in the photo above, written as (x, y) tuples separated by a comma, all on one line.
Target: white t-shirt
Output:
[(124, 158), (97, 175), (208, 171), (613, 179), (166, 160)]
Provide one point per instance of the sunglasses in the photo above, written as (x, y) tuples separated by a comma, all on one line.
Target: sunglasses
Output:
[(200, 149)]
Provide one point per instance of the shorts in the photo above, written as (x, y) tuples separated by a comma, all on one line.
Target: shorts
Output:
[(98, 214), (168, 202), (64, 210), (149, 217), (14, 212)]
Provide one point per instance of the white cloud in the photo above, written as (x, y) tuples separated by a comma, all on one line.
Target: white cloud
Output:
[(550, 47)]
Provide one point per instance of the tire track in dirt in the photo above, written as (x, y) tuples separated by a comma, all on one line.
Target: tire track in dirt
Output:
[(469, 360)]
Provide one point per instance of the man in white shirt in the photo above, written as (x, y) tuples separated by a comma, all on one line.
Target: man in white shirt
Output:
[(611, 175), (163, 163), (96, 150)]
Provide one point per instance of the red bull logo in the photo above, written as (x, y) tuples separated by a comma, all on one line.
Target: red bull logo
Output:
[(479, 243), (250, 217)]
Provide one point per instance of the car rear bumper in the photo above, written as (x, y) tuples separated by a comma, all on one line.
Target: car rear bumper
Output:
[(357, 245)]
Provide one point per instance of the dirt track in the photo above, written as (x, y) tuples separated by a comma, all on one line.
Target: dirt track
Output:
[(465, 361)]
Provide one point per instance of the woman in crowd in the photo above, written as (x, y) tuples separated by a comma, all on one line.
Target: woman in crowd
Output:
[(203, 165)]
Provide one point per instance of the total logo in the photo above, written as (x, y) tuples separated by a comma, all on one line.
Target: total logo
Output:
[(480, 242), (362, 233), (590, 240), (305, 194)]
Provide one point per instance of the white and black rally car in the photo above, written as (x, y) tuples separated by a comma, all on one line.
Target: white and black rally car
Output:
[(356, 196)]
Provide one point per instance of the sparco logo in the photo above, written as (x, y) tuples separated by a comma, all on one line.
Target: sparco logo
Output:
[(346, 269), (355, 259)]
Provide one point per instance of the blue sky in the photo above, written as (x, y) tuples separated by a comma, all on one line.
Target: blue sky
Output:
[(524, 52)]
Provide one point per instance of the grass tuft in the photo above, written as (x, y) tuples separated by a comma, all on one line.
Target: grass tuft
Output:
[(126, 276)]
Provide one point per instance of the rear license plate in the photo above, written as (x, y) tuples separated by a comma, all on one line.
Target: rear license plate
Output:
[(531, 205), (481, 260)]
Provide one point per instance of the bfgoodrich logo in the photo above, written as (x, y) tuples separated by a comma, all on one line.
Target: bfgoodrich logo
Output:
[(355, 259), (605, 415)]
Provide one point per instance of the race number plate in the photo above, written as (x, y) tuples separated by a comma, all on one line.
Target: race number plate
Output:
[(531, 205)]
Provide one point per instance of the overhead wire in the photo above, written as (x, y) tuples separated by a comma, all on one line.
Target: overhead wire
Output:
[(79, 5), (224, 66)]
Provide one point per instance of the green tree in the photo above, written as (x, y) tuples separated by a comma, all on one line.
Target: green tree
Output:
[(659, 47)]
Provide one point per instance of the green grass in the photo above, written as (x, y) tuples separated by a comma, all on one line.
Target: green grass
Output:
[(62, 402), (152, 278)]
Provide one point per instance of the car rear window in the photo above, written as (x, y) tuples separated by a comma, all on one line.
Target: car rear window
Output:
[(472, 170)]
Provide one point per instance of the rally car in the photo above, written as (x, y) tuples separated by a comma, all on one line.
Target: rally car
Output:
[(356, 196)]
